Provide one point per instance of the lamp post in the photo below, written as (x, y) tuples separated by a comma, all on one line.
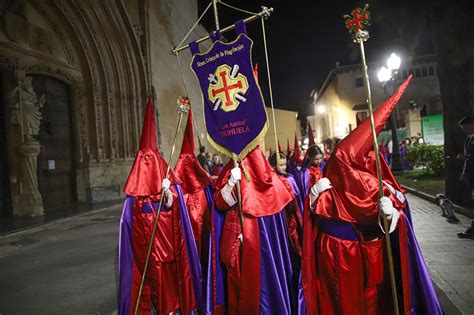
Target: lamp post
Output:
[(386, 76)]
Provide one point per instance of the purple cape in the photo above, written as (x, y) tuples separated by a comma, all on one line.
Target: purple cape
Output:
[(126, 255), (423, 295)]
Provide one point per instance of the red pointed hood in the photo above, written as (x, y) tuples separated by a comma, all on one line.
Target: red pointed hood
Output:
[(355, 187), (149, 167), (194, 178), (266, 193), (279, 147), (387, 174), (311, 135), (297, 155), (288, 148)]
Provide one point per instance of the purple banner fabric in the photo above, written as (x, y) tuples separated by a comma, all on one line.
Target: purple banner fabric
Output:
[(234, 109), (125, 257)]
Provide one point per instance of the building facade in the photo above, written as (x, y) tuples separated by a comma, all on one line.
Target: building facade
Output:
[(342, 100), (287, 126), (74, 78)]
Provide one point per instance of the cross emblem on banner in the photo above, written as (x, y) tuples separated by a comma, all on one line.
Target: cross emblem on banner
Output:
[(358, 19), (225, 91)]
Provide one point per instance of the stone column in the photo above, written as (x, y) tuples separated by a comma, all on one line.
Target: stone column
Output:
[(28, 202), (413, 122)]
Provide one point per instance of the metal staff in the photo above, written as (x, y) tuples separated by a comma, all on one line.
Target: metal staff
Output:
[(234, 156), (183, 107), (356, 22), (264, 13)]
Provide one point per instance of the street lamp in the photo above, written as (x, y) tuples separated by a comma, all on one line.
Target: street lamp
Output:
[(386, 76)]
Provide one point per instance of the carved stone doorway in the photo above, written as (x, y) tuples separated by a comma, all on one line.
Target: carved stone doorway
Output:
[(56, 167), (5, 200)]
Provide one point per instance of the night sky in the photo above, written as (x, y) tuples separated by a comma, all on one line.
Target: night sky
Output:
[(305, 40)]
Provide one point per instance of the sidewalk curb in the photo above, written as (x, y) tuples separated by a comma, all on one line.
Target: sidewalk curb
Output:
[(457, 208), (43, 225)]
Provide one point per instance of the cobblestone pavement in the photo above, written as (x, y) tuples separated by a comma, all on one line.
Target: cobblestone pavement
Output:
[(64, 267), (450, 259)]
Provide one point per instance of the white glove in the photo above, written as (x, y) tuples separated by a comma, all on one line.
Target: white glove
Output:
[(235, 176), (321, 185), (386, 208), (399, 195), (165, 185)]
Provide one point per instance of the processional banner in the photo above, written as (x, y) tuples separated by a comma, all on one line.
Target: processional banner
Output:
[(234, 109)]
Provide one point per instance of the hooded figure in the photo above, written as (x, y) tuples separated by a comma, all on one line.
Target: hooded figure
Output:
[(173, 280), (294, 219), (197, 190), (313, 165), (258, 258), (295, 161), (344, 269)]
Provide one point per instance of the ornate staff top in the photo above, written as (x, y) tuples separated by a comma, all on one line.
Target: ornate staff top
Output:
[(184, 103), (357, 21)]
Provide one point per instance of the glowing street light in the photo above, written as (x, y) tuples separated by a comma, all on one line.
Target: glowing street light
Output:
[(321, 109), (394, 62), (384, 74)]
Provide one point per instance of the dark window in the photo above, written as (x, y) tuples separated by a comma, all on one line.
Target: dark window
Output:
[(359, 82), (425, 72), (431, 71), (417, 73)]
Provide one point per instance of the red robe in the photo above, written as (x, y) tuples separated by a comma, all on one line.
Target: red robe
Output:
[(343, 246), (264, 195), (168, 284), (169, 281)]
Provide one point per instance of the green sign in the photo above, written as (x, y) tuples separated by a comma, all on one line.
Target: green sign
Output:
[(433, 132)]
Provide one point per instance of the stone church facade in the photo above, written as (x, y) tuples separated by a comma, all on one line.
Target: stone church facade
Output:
[(74, 78)]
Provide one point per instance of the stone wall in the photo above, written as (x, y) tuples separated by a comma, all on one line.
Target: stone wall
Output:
[(112, 55), (287, 127)]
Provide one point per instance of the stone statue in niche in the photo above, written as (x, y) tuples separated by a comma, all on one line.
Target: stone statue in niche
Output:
[(25, 106)]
